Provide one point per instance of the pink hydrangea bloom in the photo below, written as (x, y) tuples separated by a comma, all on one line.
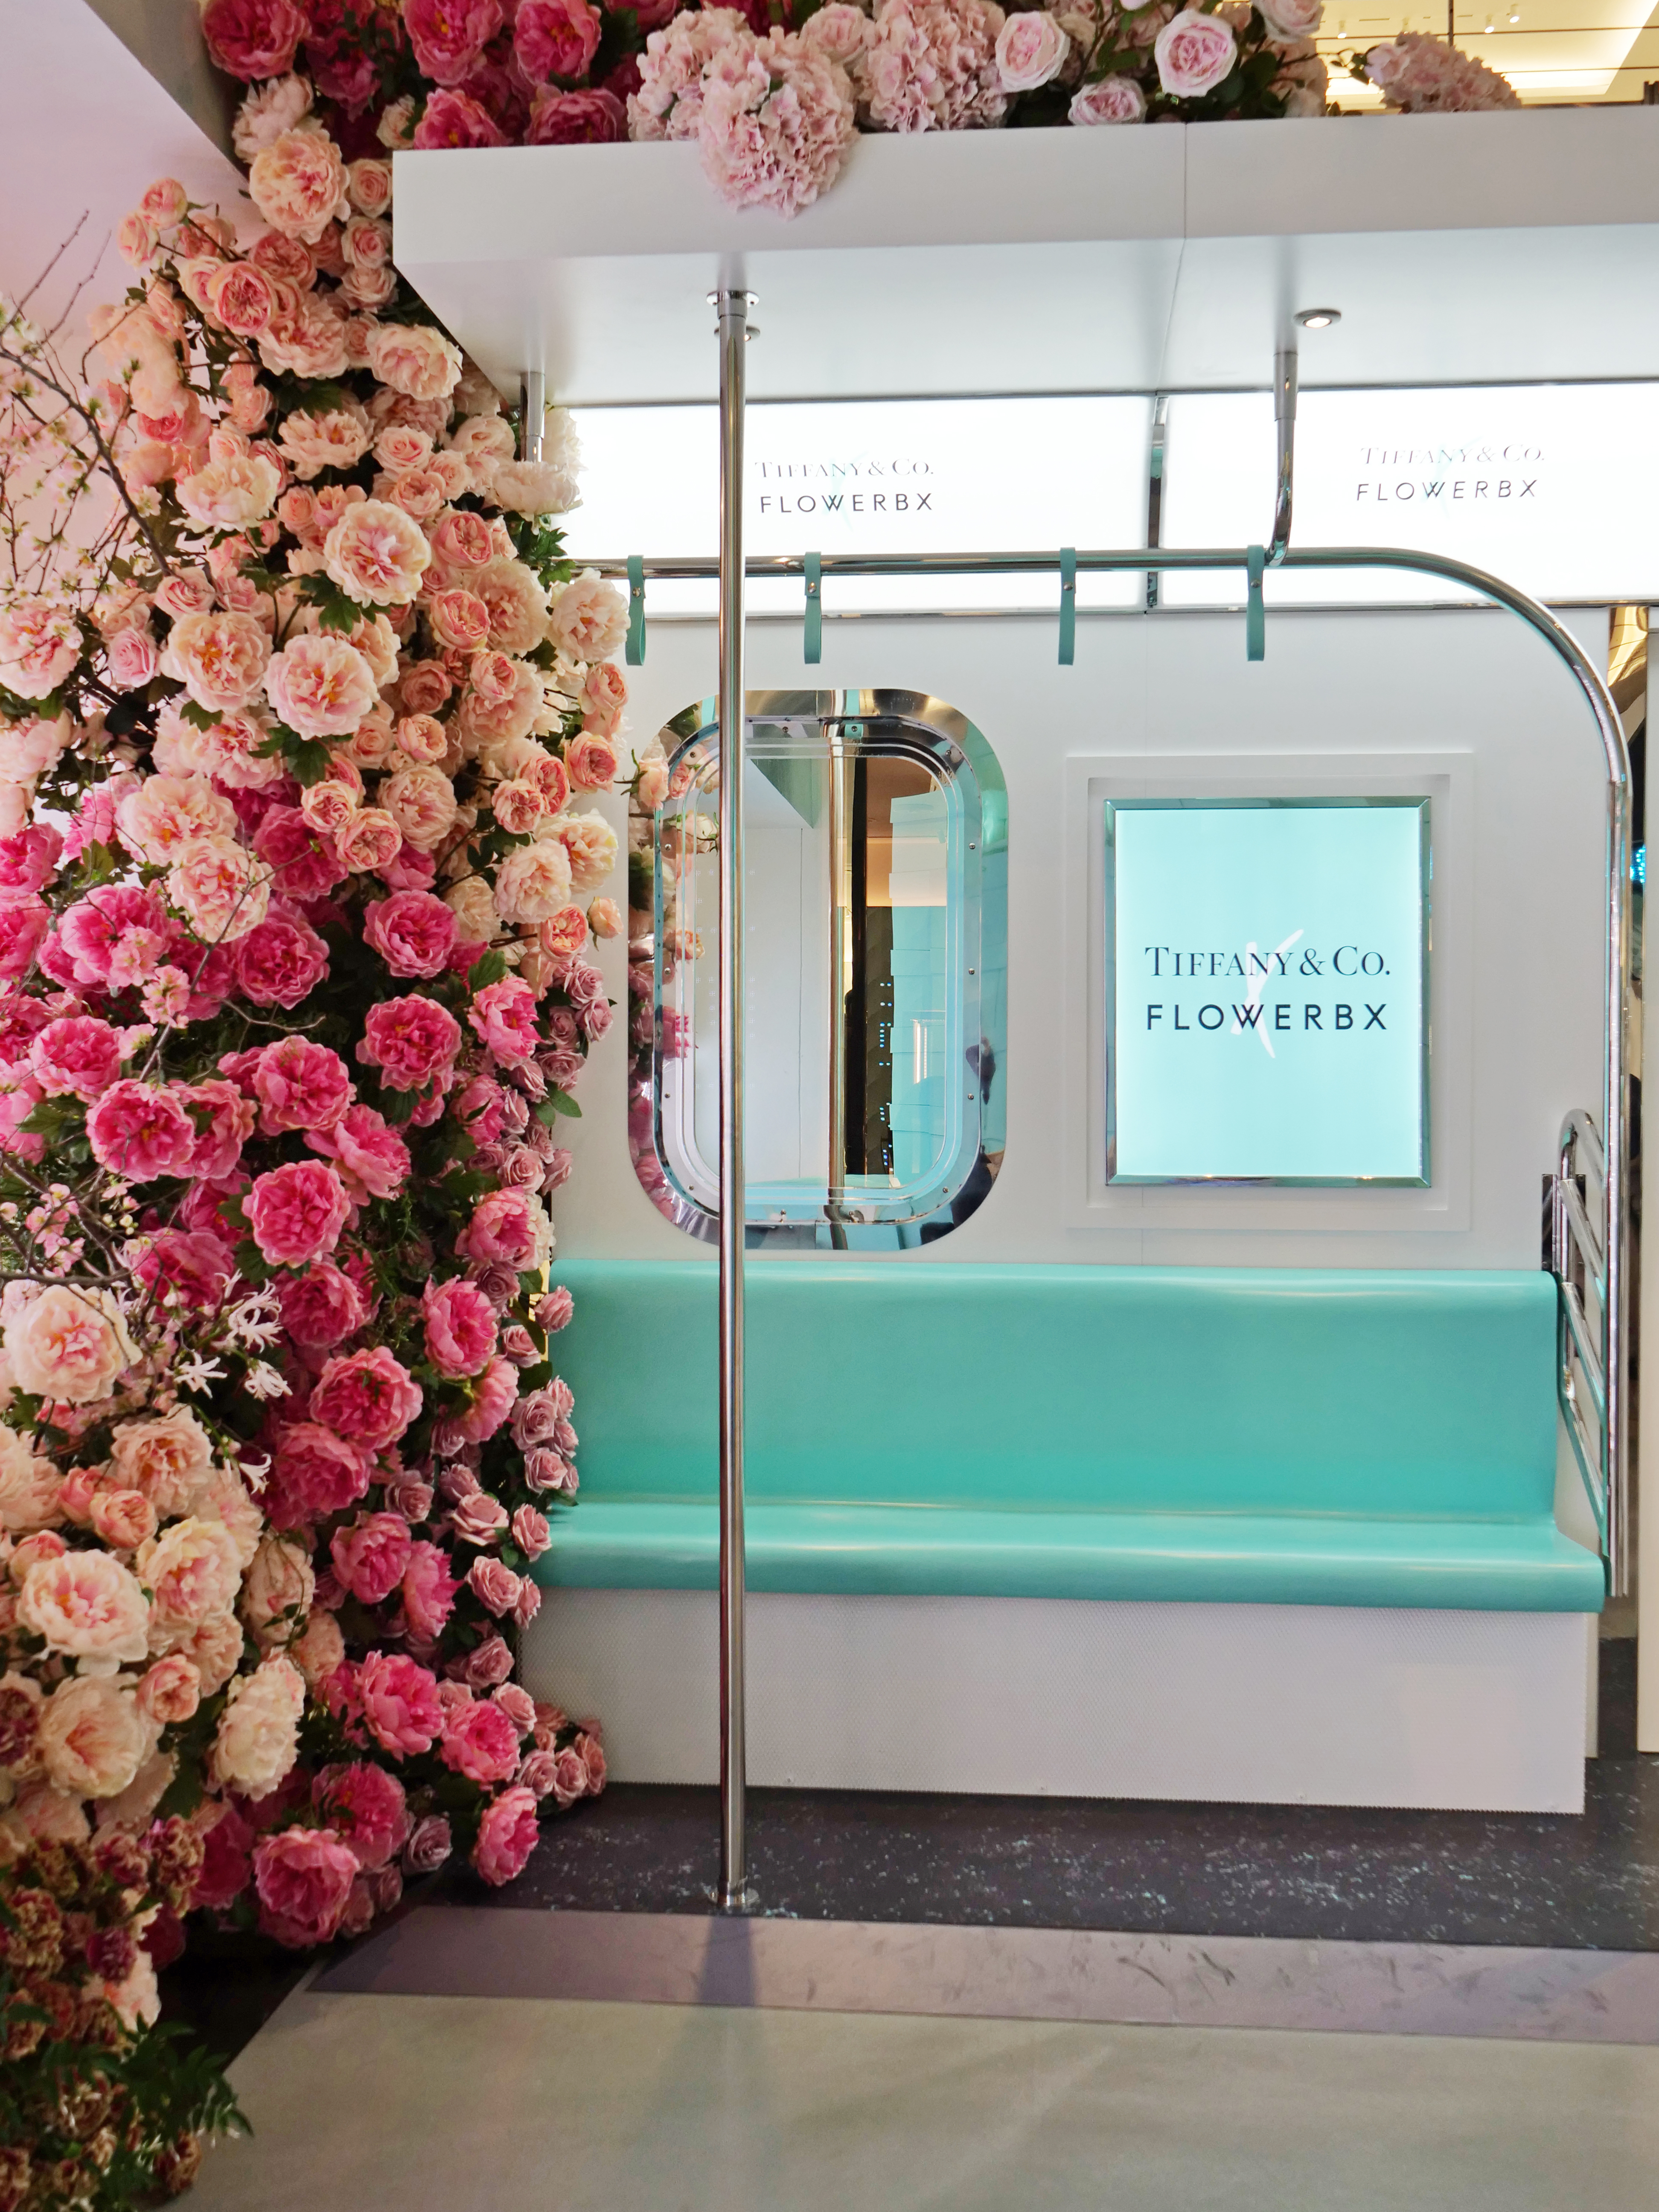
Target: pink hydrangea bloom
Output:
[(777, 119), (932, 65)]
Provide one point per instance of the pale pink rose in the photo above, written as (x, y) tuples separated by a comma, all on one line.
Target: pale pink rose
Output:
[(1194, 53), (219, 887), (93, 1738), (474, 909), (215, 1650), (333, 438), (1291, 20), (590, 845), (87, 1606), (1117, 99), (496, 1587), (296, 1212), (229, 494), (30, 1491), (569, 1777), (840, 32), (240, 298), (506, 1836), (490, 1665), (259, 1729), (414, 359), (531, 1532), (669, 102), (303, 1878), (329, 805), (591, 761), (40, 644), (28, 749), (1031, 50), (123, 1519), (186, 592), (167, 1457), (371, 840), (533, 882), (298, 184), (369, 186), (517, 604), (164, 812), (605, 692), (422, 802), (604, 918), (536, 487), (459, 620), (130, 659), (69, 1346), (191, 1572), (171, 1692), (589, 619), (377, 553), (320, 686), (483, 442)]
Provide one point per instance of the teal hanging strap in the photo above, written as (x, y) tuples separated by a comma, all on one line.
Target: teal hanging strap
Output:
[(812, 640), (636, 612), (1255, 617), (1067, 605)]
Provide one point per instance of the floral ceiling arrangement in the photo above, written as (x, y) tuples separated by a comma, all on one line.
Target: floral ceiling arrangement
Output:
[(302, 720), (775, 91)]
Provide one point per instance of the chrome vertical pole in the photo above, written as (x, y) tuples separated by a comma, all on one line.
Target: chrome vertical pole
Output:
[(532, 413), (734, 1893), (1285, 368)]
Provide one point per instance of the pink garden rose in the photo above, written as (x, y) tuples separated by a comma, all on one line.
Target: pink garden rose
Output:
[(224, 1122), (40, 644), (1031, 49), (556, 39), (494, 1397), (1117, 99), (24, 923), (377, 553), (413, 932), (194, 1264), (506, 1836), (365, 1807), (280, 962), (371, 1555), (296, 1212), (300, 1085), (479, 1741), (371, 1158), (455, 118), (503, 1227), (429, 1591), (503, 1015), (414, 359), (459, 1327), (368, 1397), (220, 659), (303, 1878), (313, 1473), (449, 36), (77, 1056), (1195, 53), (411, 1040), (298, 184), (400, 1702), (321, 1308), (140, 1132), (253, 38), (303, 864), (494, 1585), (591, 117)]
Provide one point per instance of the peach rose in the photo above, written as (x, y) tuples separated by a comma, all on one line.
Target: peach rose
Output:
[(28, 748), (40, 644), (517, 604), (229, 494), (336, 438), (474, 909), (321, 686), (533, 882), (423, 738), (87, 1606), (422, 802), (30, 1489), (215, 1650), (69, 1346), (92, 1738), (377, 553), (460, 619), (277, 1594), (369, 186), (168, 1457), (414, 359), (259, 1729), (123, 1519), (218, 658), (191, 1572), (319, 1650), (166, 811), (298, 183), (371, 839), (221, 889), (591, 844)]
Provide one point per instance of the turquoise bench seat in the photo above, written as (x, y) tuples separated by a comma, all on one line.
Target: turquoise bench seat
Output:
[(1272, 1436)]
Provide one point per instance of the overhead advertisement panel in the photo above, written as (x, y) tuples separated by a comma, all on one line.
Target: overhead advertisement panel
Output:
[(890, 476), (1549, 486)]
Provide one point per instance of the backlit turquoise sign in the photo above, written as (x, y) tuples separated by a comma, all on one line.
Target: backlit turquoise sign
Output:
[(1267, 973)]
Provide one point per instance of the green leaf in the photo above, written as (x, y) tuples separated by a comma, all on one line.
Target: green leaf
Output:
[(558, 1102), (489, 968)]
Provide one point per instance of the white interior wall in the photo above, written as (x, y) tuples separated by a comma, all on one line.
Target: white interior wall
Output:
[(1470, 694)]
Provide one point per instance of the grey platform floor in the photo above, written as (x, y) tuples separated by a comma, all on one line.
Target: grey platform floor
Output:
[(433, 2104)]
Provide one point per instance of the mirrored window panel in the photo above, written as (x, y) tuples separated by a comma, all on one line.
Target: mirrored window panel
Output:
[(875, 972)]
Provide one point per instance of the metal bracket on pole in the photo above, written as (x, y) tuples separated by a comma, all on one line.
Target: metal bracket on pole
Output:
[(635, 648), (1067, 605), (1255, 613), (812, 632)]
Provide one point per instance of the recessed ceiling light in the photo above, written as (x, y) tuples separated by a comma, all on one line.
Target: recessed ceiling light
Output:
[(1319, 319)]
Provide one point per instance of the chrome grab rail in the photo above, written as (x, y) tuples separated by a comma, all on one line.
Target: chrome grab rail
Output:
[(1578, 1262)]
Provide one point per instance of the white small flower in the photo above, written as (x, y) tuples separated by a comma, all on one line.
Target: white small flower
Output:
[(254, 1470), (262, 1380), (255, 1323), (197, 1373)]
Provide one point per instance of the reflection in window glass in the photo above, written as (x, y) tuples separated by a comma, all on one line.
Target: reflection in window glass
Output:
[(873, 984)]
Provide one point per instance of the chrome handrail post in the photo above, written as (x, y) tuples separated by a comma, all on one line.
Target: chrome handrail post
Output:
[(734, 1893), (1285, 370)]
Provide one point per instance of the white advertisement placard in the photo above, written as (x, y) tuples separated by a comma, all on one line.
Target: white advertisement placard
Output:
[(1549, 486), (899, 476)]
